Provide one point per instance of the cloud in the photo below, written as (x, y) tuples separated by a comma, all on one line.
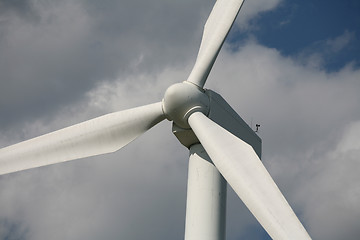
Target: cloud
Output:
[(338, 43), (330, 208), (252, 9), (349, 141), (71, 46), (324, 52)]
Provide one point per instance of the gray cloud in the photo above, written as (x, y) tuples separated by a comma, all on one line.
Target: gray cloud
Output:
[(323, 52), (71, 46)]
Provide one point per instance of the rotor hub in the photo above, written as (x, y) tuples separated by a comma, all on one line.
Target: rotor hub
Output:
[(183, 99)]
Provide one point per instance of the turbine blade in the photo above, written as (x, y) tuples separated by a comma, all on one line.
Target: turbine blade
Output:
[(216, 29), (100, 135), (243, 170)]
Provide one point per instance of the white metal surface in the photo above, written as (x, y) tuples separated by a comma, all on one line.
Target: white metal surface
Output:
[(100, 135), (216, 29), (223, 114), (206, 198), (243, 170), (181, 99)]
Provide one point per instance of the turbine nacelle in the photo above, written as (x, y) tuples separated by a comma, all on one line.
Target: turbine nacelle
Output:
[(183, 99)]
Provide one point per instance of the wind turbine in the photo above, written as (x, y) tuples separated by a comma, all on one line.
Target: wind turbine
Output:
[(223, 148)]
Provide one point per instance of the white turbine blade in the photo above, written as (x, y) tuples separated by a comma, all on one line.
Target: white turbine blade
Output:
[(243, 170), (100, 135), (216, 29)]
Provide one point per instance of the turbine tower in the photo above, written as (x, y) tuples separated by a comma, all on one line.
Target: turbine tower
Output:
[(223, 148)]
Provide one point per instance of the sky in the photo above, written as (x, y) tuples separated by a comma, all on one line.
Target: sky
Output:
[(291, 66)]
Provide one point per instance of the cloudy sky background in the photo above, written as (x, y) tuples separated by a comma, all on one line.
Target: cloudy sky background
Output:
[(291, 66)]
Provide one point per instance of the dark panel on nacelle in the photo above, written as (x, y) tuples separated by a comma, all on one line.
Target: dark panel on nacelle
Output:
[(226, 117)]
